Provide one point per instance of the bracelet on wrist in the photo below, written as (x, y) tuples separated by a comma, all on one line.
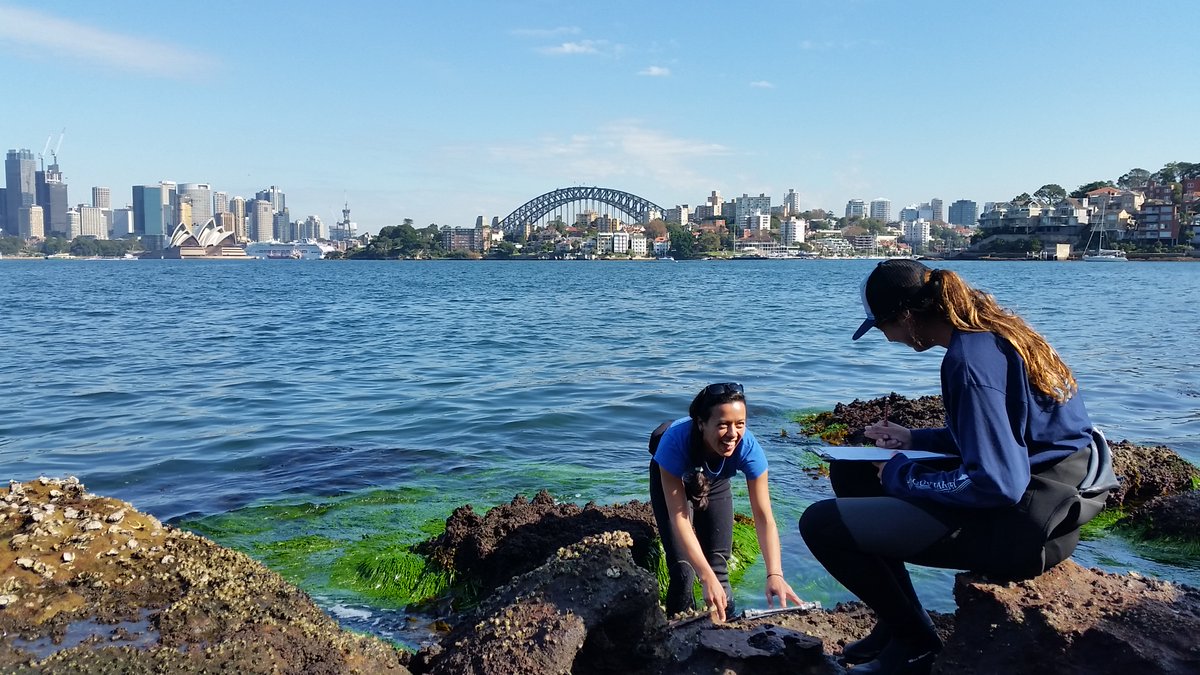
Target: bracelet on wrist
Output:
[(774, 574)]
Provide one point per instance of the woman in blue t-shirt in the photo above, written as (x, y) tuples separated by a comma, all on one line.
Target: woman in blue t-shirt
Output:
[(1020, 436), (693, 505)]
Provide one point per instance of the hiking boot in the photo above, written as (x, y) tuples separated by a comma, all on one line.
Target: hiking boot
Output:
[(901, 658), (866, 649)]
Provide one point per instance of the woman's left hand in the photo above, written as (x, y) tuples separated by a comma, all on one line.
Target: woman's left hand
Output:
[(778, 588)]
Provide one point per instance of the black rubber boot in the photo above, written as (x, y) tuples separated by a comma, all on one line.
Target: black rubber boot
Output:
[(901, 658), (861, 651)]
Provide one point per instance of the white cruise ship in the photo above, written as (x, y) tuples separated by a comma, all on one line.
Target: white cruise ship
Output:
[(295, 250)]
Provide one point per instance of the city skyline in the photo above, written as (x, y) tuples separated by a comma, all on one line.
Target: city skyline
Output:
[(440, 115)]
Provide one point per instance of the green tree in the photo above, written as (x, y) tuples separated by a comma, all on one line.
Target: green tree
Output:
[(1081, 191), (683, 244), (1134, 179), (1168, 174), (11, 245), (1050, 193), (709, 241)]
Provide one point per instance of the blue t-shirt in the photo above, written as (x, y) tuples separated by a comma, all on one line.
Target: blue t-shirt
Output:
[(673, 454), (996, 421)]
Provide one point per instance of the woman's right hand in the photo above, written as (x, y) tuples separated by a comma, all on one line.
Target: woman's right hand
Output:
[(714, 597), (889, 435)]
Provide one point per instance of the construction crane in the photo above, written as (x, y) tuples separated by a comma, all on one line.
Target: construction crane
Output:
[(57, 146), (42, 157)]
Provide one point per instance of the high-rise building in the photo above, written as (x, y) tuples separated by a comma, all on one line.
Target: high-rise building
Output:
[(220, 202), (170, 205), (792, 230), (935, 207), (746, 206), (313, 228), (52, 197), (259, 214), (916, 234), (856, 208), (92, 222), (148, 216), (283, 226), (30, 224), (122, 223), (714, 204), (200, 196), (74, 224), (275, 197), (964, 213), (101, 198), (881, 209), (237, 206), (791, 203), (20, 187)]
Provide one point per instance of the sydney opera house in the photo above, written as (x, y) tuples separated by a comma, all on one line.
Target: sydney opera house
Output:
[(207, 243)]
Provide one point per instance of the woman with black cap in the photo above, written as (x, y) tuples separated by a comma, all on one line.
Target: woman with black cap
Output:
[(694, 459), (1016, 420)]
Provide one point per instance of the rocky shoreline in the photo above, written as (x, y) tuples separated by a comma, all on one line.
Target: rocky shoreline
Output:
[(89, 584)]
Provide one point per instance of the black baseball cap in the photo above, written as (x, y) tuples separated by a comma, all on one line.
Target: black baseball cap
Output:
[(890, 288)]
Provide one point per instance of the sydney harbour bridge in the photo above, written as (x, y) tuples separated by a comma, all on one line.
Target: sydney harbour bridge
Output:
[(566, 205)]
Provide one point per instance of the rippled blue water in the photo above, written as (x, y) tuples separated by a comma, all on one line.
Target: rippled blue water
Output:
[(194, 388)]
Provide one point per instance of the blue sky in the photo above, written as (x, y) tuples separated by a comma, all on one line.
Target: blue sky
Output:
[(443, 111)]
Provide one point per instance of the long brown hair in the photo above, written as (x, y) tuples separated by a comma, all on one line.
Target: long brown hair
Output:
[(969, 309)]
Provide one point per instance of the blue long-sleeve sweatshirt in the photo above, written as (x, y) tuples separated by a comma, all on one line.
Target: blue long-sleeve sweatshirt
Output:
[(996, 422)]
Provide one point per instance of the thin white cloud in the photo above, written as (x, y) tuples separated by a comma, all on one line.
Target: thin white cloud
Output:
[(655, 71), (569, 48), (623, 151), (762, 84), (545, 32), (44, 35)]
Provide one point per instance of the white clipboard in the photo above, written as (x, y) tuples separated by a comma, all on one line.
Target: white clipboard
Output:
[(830, 453)]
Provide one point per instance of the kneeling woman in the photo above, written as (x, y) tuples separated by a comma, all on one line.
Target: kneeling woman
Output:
[(693, 504), (1017, 425)]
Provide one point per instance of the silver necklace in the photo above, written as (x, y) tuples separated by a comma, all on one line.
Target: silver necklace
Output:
[(718, 470)]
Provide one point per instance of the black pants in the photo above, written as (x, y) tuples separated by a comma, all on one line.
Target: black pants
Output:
[(863, 538), (714, 530)]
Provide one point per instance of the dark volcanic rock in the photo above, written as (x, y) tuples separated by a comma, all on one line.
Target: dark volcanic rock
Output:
[(1073, 620), (924, 412), (88, 584), (589, 609), (1147, 472), (517, 537), (1172, 516)]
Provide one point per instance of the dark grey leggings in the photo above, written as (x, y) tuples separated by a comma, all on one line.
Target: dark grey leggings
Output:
[(714, 530)]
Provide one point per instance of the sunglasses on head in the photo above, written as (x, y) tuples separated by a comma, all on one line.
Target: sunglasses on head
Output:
[(722, 388)]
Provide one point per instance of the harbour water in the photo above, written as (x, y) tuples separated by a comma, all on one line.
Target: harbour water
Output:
[(290, 409)]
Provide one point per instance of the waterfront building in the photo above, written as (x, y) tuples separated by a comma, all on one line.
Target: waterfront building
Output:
[(620, 241), (1157, 224), (792, 230), (148, 211), (101, 197), (20, 186), (856, 208), (791, 203), (964, 213), (881, 209), (746, 206), (52, 197), (638, 245), (200, 196), (30, 222), (862, 243), (909, 213), (461, 239), (282, 226), (122, 223), (935, 210), (73, 225), (92, 222), (206, 242), (220, 202), (758, 222), (916, 234), (834, 245), (258, 212), (346, 230)]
